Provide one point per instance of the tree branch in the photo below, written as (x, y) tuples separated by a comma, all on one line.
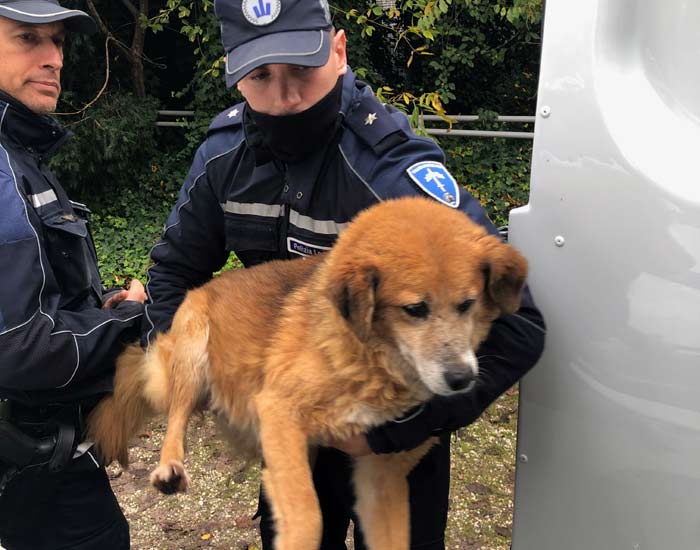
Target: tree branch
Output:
[(129, 6), (100, 23)]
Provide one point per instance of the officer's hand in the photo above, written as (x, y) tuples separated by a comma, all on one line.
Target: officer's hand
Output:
[(135, 293), (354, 446)]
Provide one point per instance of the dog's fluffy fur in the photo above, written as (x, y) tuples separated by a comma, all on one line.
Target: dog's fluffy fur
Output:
[(298, 353)]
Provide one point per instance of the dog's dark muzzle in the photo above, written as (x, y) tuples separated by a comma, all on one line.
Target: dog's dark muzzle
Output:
[(458, 379)]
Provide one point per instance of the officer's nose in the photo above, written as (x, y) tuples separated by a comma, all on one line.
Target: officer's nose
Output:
[(289, 99)]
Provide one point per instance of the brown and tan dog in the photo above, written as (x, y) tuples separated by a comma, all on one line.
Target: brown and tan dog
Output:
[(293, 354)]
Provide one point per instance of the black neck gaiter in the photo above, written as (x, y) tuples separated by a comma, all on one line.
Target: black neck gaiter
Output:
[(292, 138)]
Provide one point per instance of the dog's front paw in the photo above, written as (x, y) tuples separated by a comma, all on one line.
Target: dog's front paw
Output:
[(170, 478)]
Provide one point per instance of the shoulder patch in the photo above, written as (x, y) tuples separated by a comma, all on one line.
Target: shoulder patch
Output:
[(371, 122), (433, 178), (232, 116)]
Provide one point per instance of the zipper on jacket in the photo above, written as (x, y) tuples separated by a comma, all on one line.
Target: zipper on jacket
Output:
[(284, 222)]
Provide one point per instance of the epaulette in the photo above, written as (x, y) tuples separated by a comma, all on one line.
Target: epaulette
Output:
[(233, 116), (372, 123)]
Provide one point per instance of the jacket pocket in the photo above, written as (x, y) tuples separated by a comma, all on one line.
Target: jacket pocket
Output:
[(67, 248), (246, 235)]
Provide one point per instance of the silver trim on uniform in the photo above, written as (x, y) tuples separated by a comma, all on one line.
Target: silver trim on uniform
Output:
[(364, 182), (83, 335), (254, 209), (321, 227), (42, 199), (36, 235), (166, 229)]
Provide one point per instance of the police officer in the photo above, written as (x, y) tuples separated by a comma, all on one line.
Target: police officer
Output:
[(59, 332), (280, 176)]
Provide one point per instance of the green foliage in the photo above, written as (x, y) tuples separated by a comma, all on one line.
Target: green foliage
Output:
[(207, 87), (126, 229), (114, 144), (465, 54), (124, 233), (423, 56), (495, 171)]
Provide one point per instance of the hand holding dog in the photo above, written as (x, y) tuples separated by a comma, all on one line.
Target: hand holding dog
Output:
[(135, 293), (353, 446)]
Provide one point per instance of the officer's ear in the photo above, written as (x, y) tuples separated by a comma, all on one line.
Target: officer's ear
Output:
[(339, 54)]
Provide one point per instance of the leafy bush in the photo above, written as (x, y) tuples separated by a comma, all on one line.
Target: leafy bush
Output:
[(114, 143), (127, 225), (495, 171), (456, 56), (453, 56), (125, 228)]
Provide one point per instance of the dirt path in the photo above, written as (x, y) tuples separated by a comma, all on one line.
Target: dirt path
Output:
[(216, 512)]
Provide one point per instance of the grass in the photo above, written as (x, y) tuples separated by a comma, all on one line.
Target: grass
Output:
[(217, 510)]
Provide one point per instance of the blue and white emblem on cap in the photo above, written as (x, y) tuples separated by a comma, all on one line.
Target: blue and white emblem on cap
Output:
[(433, 178), (261, 12), (326, 10)]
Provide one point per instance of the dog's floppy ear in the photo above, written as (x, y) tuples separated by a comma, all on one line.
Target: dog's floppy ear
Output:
[(354, 295), (505, 271)]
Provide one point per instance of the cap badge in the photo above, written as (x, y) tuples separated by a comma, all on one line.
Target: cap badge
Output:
[(326, 10), (261, 12)]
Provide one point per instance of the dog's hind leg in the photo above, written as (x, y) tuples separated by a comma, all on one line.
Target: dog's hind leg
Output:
[(287, 478), (189, 362), (382, 495)]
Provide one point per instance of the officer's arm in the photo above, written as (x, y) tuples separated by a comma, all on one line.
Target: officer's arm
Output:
[(191, 248), (41, 346)]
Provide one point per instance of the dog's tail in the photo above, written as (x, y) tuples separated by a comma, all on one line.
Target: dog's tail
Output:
[(119, 417)]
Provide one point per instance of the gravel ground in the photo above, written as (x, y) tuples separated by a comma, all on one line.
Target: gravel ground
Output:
[(216, 512)]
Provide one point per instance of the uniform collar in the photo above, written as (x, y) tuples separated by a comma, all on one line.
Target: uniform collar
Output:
[(35, 133), (254, 139), (348, 99)]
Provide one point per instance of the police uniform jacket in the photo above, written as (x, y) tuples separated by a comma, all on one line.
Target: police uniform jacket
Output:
[(56, 343), (237, 198)]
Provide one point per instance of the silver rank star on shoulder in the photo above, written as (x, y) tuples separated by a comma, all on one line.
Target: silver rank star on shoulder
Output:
[(233, 113), (370, 119)]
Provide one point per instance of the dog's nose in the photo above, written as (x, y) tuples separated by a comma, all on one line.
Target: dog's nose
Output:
[(458, 379)]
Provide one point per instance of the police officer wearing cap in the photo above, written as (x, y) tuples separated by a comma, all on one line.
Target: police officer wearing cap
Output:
[(59, 331), (280, 176)]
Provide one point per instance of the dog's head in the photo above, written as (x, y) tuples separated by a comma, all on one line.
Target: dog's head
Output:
[(425, 280)]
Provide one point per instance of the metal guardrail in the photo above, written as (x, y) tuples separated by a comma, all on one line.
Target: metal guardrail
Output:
[(480, 133), (171, 114)]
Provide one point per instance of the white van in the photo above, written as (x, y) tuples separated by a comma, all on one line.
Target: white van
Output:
[(609, 434)]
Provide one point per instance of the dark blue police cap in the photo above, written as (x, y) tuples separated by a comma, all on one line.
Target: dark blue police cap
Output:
[(258, 32), (47, 11)]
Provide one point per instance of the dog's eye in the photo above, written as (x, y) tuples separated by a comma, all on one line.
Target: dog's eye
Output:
[(419, 310), (464, 306)]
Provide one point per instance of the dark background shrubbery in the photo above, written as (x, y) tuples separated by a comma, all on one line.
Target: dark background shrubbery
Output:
[(424, 56)]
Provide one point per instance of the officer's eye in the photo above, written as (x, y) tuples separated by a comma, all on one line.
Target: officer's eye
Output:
[(420, 310), (465, 306), (259, 76), (28, 37), (303, 70)]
